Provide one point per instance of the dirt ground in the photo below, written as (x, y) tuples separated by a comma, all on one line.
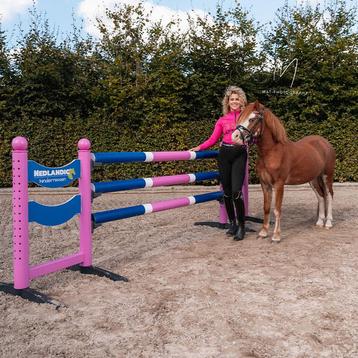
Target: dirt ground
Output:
[(192, 292)]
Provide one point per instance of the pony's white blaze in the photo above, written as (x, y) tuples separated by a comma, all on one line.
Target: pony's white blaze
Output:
[(236, 137), (247, 121)]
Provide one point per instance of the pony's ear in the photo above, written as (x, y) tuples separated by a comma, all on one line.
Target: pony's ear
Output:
[(257, 105)]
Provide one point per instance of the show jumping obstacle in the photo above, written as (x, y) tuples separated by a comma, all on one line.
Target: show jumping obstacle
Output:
[(24, 211)]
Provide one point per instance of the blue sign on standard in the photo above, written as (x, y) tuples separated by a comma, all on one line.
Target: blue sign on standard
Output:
[(54, 177)]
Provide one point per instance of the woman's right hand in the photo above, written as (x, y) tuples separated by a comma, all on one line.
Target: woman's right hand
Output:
[(195, 149)]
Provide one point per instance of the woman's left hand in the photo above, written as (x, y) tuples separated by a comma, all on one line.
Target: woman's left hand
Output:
[(195, 149)]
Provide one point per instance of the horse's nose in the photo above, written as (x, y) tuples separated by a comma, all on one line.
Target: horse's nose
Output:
[(235, 136)]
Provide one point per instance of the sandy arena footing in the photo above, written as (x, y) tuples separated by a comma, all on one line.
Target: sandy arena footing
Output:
[(192, 291)]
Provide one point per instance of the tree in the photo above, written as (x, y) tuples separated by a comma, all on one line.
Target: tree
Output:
[(222, 51), (143, 67), (324, 44)]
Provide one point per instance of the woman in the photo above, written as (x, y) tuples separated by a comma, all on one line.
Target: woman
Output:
[(232, 160)]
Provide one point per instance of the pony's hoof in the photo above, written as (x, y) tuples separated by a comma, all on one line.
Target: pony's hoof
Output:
[(262, 234), (328, 225), (276, 238), (320, 223)]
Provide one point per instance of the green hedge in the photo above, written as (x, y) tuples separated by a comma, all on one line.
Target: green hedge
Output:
[(53, 142)]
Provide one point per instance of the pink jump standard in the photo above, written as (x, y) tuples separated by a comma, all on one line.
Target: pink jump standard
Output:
[(25, 211), (84, 186), (20, 214)]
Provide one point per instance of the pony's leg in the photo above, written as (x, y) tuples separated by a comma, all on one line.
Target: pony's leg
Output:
[(328, 184), (328, 191), (279, 187), (267, 191), (321, 202)]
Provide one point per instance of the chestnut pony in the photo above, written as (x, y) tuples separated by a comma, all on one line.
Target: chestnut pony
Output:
[(281, 161)]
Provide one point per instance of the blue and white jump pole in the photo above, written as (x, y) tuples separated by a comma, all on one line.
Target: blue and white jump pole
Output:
[(131, 184)]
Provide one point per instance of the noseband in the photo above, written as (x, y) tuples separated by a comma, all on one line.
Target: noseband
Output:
[(246, 134)]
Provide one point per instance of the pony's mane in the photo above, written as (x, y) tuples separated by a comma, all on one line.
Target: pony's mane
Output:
[(275, 125), (271, 121)]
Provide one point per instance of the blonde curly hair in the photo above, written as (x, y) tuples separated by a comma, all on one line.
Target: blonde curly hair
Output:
[(229, 91)]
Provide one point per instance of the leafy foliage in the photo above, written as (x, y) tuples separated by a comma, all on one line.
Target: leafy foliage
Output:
[(148, 86)]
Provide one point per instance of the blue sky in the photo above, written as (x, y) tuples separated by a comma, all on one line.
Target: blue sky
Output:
[(60, 13)]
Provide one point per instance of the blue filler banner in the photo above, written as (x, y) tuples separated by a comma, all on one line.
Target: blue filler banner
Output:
[(51, 215), (54, 177)]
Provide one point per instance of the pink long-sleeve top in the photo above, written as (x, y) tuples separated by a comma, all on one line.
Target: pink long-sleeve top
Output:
[(224, 127)]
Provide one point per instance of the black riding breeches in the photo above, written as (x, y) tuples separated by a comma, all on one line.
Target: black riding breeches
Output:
[(232, 169)]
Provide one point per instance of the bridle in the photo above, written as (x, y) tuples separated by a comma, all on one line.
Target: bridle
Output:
[(247, 135)]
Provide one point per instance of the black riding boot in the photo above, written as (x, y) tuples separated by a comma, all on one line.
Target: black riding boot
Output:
[(232, 228), (229, 206), (240, 213)]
